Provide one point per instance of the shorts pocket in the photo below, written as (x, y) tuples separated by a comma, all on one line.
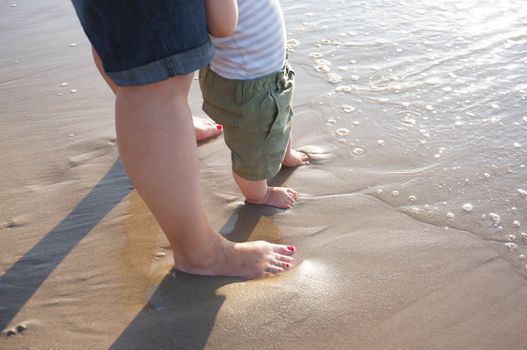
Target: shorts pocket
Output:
[(278, 130)]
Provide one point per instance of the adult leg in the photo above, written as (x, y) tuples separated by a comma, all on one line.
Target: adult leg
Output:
[(203, 129), (158, 151)]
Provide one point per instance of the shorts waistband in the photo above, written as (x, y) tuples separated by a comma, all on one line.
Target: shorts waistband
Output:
[(244, 90)]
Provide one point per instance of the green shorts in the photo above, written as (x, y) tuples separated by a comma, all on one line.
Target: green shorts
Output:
[(256, 117)]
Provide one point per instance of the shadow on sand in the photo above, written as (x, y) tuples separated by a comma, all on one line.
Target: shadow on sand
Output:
[(182, 311), (22, 280)]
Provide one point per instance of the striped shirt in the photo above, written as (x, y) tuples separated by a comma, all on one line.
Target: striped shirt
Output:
[(257, 47)]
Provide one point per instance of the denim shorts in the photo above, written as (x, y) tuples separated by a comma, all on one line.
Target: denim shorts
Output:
[(256, 117), (143, 42)]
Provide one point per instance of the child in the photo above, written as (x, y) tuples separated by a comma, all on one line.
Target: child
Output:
[(248, 88)]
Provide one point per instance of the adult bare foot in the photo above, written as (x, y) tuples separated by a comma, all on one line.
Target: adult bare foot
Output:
[(295, 158), (246, 260), (205, 129), (279, 197)]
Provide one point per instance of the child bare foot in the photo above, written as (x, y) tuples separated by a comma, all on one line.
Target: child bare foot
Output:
[(295, 158), (246, 260), (280, 197), (205, 129), (258, 192)]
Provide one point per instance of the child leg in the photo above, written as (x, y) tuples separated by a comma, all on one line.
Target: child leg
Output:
[(293, 157), (258, 192)]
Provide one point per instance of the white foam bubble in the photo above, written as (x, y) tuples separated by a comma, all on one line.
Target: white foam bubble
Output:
[(468, 207), (410, 122), (412, 198), (348, 108), (429, 107), (344, 88), (343, 132), (323, 62), (334, 78), (292, 44), (64, 84), (395, 193), (358, 151), (495, 218), (517, 145), (516, 223), (73, 44), (380, 143), (321, 68), (315, 55), (450, 215), (522, 191), (73, 91), (354, 77)]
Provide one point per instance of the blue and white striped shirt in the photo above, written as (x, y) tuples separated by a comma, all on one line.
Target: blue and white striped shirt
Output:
[(257, 47)]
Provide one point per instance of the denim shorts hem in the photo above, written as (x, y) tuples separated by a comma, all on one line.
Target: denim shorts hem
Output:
[(178, 64)]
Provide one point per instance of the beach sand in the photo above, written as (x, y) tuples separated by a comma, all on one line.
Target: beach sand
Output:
[(83, 264)]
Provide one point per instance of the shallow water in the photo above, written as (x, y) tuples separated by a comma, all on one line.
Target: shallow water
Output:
[(434, 95), (410, 112)]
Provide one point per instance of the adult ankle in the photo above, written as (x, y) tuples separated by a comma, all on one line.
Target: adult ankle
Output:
[(199, 259)]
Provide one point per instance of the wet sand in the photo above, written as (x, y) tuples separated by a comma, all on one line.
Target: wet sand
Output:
[(84, 265)]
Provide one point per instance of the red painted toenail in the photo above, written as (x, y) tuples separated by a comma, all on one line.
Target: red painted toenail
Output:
[(291, 248), (219, 127)]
